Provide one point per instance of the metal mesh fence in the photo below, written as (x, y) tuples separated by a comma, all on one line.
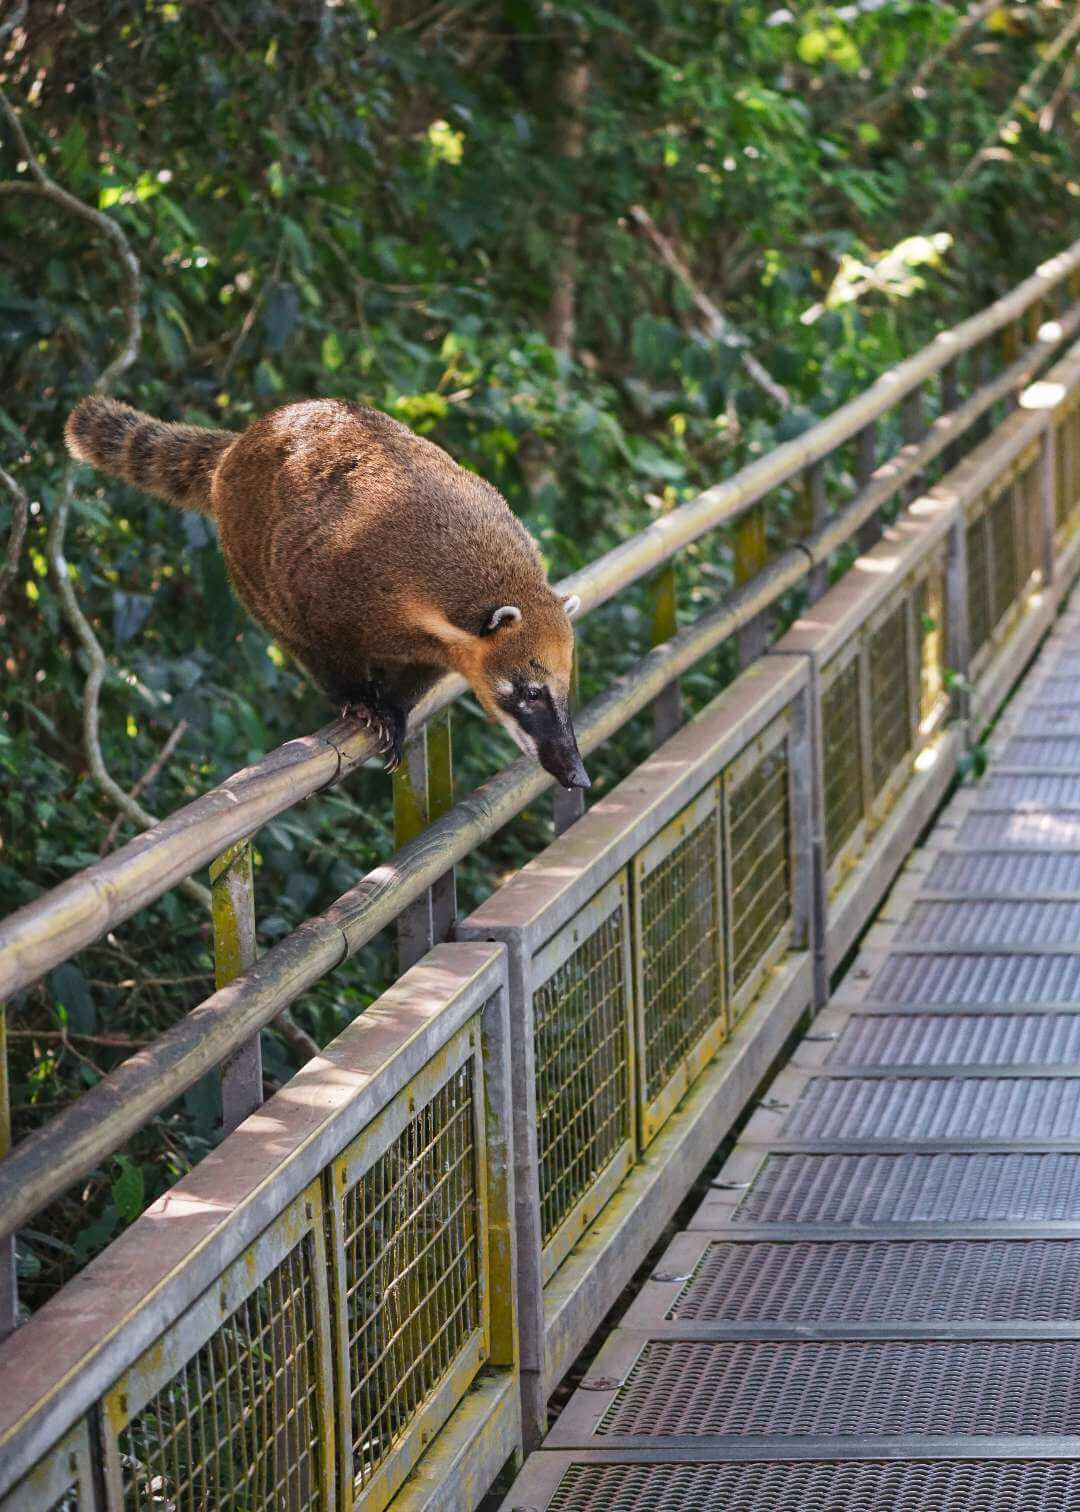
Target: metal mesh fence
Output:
[(237, 1427), (843, 759), (681, 951), (1005, 550), (890, 697), (759, 822), (932, 633), (582, 1069), (412, 1269)]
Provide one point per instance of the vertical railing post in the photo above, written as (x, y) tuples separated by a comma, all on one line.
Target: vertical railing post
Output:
[(9, 1285), (567, 806), (667, 707), (950, 399), (958, 641), (750, 555), (412, 815), (423, 792), (913, 428), (812, 513), (1032, 321), (869, 533), (981, 369), (1010, 351), (1047, 487), (440, 802), (808, 840), (232, 888)]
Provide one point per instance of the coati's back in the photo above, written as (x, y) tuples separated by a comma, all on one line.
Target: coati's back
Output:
[(367, 551)]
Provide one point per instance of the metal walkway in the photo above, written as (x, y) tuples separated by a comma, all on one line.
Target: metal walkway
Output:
[(878, 1304)]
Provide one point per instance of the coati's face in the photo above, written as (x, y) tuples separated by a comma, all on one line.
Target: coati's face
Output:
[(524, 682)]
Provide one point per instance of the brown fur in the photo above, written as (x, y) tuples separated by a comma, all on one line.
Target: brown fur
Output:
[(365, 550)]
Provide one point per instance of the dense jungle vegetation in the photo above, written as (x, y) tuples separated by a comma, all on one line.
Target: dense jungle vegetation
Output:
[(432, 206)]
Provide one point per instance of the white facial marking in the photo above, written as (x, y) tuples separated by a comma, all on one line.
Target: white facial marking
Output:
[(503, 686), (520, 738)]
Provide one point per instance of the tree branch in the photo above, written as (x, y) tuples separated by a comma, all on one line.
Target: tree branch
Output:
[(1021, 97), (20, 515), (718, 327)]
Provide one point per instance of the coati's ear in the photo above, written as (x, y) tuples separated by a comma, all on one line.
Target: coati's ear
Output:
[(508, 614), (571, 603)]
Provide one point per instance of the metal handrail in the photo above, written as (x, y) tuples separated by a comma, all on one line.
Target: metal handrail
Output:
[(73, 915)]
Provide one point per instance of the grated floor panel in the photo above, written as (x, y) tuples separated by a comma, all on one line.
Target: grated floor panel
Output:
[(834, 1297)]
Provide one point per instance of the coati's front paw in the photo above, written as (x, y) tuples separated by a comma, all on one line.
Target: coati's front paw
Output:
[(386, 725)]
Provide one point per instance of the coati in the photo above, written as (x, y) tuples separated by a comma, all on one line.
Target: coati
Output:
[(371, 556)]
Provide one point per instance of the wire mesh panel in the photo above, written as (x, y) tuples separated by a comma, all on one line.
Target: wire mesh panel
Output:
[(891, 730), (932, 632), (679, 927), (230, 1409), (585, 1101), (978, 585), (1067, 461), (1005, 549), (757, 800), (62, 1481), (897, 1280), (972, 1485), (841, 722), (409, 1246)]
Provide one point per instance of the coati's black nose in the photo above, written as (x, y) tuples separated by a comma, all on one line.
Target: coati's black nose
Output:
[(577, 777)]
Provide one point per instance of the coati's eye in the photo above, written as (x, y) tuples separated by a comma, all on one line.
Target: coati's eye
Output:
[(534, 695)]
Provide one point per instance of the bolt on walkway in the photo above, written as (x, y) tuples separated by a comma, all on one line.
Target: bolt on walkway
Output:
[(878, 1304)]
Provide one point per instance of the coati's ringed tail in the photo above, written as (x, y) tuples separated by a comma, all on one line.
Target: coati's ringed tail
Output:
[(175, 461), (370, 556)]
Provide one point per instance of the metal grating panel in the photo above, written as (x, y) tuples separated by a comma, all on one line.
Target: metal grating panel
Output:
[(760, 848), (843, 776), (978, 979), (1044, 751), (1035, 790), (698, 1388), (1052, 719), (941, 1188), (238, 1424), (681, 951), (890, 698), (978, 585), (1047, 831), (997, 873), (990, 923), (823, 1485), (582, 1069), (968, 1107), (1055, 688), (933, 636), (1006, 565), (870, 1281), (412, 1270), (960, 1039)]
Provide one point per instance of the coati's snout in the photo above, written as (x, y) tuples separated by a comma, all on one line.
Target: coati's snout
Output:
[(528, 685)]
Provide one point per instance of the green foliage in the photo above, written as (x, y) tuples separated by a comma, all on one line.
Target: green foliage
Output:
[(371, 200)]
